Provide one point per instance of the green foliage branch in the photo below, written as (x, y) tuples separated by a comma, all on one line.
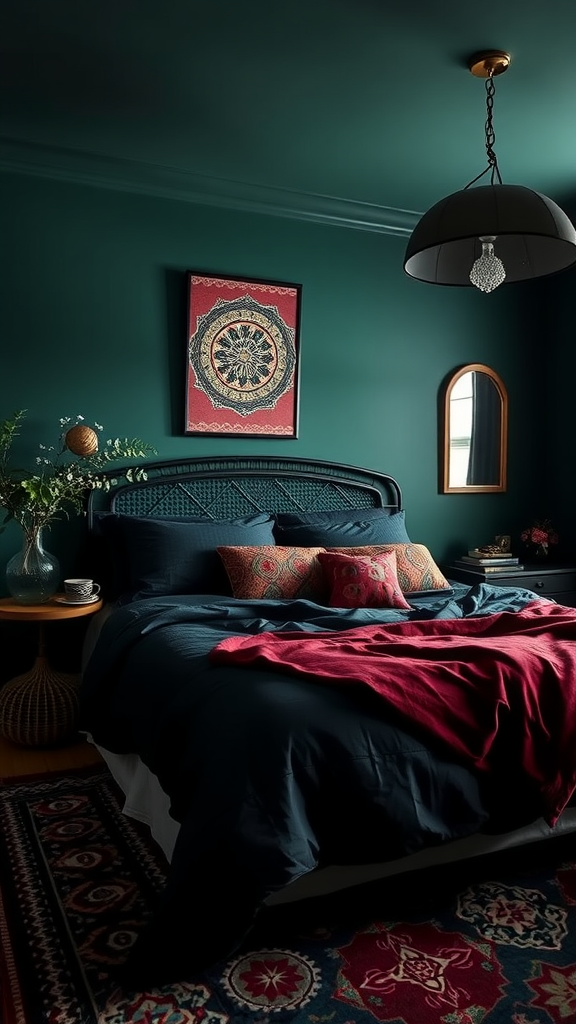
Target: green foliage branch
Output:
[(62, 480)]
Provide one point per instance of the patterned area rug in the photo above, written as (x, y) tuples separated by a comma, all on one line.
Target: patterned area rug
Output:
[(486, 943)]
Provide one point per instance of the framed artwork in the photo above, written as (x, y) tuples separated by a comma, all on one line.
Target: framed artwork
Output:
[(242, 357)]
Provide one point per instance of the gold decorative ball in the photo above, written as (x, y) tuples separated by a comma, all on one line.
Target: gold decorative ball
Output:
[(81, 440)]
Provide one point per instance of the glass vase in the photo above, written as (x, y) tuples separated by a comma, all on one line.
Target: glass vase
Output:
[(33, 574)]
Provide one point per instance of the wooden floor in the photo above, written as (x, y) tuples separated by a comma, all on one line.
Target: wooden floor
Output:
[(17, 760)]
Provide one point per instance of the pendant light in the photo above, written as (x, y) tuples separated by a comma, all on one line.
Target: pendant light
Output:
[(489, 234)]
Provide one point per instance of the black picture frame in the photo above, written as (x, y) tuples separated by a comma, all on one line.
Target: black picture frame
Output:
[(242, 356)]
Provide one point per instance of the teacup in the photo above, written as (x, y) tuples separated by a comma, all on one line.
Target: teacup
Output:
[(80, 590)]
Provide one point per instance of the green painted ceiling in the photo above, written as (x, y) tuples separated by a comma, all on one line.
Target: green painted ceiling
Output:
[(367, 101)]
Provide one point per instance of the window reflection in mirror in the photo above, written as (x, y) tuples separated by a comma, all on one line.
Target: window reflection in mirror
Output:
[(474, 445)]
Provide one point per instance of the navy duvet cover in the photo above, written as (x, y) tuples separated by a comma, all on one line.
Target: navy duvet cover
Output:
[(270, 776)]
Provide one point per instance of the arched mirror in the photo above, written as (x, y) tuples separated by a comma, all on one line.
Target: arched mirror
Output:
[(474, 422)]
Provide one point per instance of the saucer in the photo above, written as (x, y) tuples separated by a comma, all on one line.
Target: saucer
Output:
[(88, 600)]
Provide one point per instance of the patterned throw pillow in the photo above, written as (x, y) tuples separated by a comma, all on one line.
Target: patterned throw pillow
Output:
[(363, 581), (416, 569), (273, 571)]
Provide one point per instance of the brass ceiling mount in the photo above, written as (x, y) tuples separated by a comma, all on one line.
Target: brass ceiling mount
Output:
[(488, 63)]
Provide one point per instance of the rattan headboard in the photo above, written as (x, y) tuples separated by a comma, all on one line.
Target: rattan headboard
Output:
[(226, 488)]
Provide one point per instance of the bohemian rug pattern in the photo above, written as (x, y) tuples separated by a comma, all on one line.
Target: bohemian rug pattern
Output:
[(472, 946)]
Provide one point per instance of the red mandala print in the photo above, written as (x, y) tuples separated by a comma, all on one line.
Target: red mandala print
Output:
[(272, 979), (416, 973), (555, 990)]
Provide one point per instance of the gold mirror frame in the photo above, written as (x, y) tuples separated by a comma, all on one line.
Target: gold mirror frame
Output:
[(499, 432)]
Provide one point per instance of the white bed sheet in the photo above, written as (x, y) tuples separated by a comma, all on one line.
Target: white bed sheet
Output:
[(146, 801)]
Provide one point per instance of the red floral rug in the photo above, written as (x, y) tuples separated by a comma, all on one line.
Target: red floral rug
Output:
[(492, 942)]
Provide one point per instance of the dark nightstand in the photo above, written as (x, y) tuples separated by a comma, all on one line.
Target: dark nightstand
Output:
[(40, 707), (555, 581)]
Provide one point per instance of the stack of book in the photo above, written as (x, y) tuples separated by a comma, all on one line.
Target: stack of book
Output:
[(487, 563)]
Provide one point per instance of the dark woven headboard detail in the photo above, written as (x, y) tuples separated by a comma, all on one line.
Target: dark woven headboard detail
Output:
[(226, 488)]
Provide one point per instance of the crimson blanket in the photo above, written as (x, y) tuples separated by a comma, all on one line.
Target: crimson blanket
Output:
[(466, 682)]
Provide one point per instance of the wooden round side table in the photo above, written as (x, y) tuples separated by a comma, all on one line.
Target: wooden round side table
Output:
[(40, 707)]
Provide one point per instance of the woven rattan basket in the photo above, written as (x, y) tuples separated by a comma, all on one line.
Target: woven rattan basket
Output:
[(39, 707)]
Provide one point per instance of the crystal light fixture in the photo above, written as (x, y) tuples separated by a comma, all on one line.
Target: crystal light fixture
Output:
[(489, 234), (488, 271)]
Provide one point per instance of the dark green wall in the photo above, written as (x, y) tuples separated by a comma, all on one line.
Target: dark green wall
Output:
[(93, 322), (554, 362)]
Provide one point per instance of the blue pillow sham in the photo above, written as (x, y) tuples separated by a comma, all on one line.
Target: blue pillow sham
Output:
[(335, 515), (153, 557), (108, 561), (360, 527)]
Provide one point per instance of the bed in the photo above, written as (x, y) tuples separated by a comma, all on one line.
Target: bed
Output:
[(234, 685)]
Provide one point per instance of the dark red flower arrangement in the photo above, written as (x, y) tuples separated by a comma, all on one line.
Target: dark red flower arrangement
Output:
[(541, 535)]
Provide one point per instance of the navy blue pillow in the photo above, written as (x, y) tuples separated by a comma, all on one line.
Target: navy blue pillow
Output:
[(177, 555), (353, 531), (334, 515), (108, 561)]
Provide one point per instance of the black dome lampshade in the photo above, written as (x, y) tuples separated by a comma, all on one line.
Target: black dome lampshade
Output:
[(493, 233)]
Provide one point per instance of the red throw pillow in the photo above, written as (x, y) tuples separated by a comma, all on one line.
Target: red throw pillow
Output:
[(274, 571), (415, 567), (362, 581)]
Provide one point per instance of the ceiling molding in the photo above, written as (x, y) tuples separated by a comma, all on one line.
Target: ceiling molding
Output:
[(84, 168)]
